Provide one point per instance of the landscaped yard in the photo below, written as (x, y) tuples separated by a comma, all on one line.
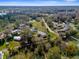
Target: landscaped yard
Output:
[(23, 56), (52, 35), (39, 26), (64, 57), (3, 47), (13, 44)]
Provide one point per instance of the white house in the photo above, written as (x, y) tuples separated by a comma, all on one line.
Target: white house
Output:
[(3, 14), (42, 34), (17, 30), (1, 55), (18, 38), (33, 29)]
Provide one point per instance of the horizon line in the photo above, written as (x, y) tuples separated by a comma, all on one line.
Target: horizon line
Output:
[(39, 5)]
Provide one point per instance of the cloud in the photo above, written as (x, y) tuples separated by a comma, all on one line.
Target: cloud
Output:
[(70, 0), (40, 3)]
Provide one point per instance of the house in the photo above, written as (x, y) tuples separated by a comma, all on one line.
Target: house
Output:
[(1, 55), (42, 34), (2, 35), (33, 29), (22, 26), (61, 26), (17, 38), (16, 31)]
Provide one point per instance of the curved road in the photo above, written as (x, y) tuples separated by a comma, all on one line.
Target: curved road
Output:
[(74, 38), (49, 28)]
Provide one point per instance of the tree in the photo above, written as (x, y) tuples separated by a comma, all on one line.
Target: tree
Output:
[(70, 49), (54, 53), (2, 41)]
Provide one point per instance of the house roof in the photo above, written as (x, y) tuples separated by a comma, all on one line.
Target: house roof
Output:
[(2, 35), (17, 30), (17, 38), (33, 29), (41, 33)]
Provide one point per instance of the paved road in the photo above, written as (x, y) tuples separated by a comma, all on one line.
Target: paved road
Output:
[(74, 38), (74, 28)]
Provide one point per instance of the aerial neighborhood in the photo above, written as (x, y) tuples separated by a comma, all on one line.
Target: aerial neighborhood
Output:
[(39, 33)]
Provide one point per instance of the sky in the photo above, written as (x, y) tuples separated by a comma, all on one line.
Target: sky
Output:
[(39, 2)]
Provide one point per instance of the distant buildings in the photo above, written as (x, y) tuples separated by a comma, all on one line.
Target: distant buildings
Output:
[(59, 27), (2, 13)]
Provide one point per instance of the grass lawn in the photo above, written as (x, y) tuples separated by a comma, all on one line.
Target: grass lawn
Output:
[(52, 35), (75, 57), (5, 55), (3, 46), (75, 42), (19, 56), (1, 30), (64, 57), (23, 56), (13, 44), (39, 26)]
